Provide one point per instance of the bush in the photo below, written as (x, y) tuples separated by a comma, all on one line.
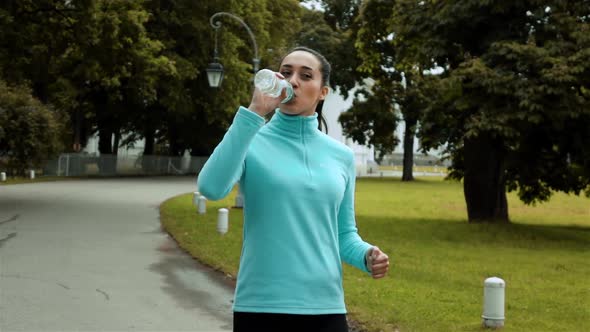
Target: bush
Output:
[(30, 132)]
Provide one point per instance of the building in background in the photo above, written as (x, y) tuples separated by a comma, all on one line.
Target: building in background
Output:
[(334, 105), (135, 150)]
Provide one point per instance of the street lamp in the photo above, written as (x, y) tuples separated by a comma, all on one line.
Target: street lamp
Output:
[(215, 74), (215, 69)]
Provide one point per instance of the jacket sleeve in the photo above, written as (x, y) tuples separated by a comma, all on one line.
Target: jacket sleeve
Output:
[(352, 247), (226, 164)]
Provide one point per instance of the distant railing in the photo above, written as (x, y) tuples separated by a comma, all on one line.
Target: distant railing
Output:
[(80, 164)]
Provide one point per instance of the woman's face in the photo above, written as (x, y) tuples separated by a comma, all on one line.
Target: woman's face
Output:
[(302, 70)]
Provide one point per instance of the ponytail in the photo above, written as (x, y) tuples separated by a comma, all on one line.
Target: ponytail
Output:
[(318, 110)]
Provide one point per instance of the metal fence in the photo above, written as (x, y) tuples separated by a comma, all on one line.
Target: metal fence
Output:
[(70, 164)]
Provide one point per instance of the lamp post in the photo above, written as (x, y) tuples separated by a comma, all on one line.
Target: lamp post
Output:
[(215, 69)]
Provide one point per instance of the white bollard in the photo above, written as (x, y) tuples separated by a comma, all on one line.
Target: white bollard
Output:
[(196, 195), (32, 174), (3, 176), (202, 206), (222, 221), (493, 303)]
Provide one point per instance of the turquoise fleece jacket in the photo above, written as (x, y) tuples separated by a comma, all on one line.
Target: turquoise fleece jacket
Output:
[(299, 223)]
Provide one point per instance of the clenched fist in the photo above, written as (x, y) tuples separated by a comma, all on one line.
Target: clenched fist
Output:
[(377, 262)]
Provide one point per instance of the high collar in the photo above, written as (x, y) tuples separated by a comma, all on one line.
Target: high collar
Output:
[(295, 125)]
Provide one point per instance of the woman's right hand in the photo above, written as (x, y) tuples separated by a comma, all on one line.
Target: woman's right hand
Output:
[(262, 104)]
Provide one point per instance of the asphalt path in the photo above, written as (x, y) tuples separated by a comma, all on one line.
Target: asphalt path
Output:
[(90, 255)]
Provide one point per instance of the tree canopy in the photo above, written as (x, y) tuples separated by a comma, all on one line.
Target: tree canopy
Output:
[(511, 105), (394, 85), (137, 68), (29, 131)]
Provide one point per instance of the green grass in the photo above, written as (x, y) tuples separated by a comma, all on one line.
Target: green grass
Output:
[(43, 178), (439, 261), (417, 169), (22, 180)]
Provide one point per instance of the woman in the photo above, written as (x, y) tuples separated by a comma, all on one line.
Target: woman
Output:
[(299, 223)]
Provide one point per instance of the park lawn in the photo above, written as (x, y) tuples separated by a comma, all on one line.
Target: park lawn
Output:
[(416, 169), (23, 180), (439, 261)]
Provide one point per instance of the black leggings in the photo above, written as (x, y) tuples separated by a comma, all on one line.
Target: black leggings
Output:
[(254, 322)]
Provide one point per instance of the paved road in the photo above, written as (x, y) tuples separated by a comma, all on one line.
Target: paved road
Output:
[(89, 255)]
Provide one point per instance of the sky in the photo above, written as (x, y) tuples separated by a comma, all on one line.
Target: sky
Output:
[(312, 4)]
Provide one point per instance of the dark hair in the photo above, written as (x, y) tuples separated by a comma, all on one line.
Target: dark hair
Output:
[(325, 69)]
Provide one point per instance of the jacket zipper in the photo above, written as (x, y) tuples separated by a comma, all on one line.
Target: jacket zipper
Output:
[(305, 158)]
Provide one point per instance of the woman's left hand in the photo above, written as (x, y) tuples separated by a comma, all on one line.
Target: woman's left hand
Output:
[(377, 262)]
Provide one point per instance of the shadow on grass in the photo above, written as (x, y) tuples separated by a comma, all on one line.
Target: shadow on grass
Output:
[(417, 181), (510, 235)]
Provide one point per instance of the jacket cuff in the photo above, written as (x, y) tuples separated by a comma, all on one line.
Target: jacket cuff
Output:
[(250, 117)]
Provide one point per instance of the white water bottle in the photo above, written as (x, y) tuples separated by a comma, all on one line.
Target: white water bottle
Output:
[(268, 83)]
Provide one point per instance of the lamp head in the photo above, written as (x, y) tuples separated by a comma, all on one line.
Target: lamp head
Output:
[(215, 74)]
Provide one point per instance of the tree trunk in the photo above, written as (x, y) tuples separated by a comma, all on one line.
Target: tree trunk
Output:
[(147, 158), (409, 134), (77, 145), (174, 148), (484, 182), (116, 142), (107, 163), (149, 135), (105, 140)]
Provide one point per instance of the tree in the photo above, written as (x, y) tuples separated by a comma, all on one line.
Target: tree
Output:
[(512, 106), (332, 33), (195, 116), (412, 98), (370, 119), (115, 67), (33, 37), (89, 58), (30, 132), (138, 67), (354, 35), (400, 82)]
